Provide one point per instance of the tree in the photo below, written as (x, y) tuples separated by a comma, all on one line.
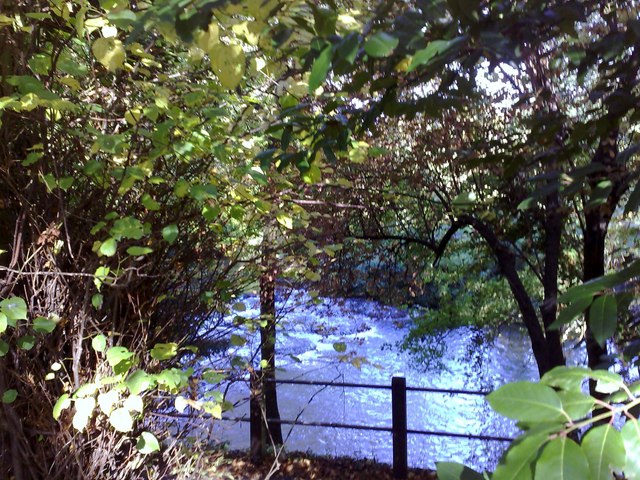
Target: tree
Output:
[(425, 60)]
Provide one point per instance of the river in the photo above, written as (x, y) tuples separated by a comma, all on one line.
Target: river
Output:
[(370, 332)]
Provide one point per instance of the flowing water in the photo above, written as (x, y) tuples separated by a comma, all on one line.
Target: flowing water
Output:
[(371, 333)]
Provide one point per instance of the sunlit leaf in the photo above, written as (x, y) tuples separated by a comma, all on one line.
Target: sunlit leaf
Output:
[(117, 355), (138, 382), (61, 404), (15, 308), (164, 351), (3, 322), (134, 403), (99, 343), (110, 52), (228, 63), (84, 412), (107, 400), (121, 420), (147, 443), (527, 402)]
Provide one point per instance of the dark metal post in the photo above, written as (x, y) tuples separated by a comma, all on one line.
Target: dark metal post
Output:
[(255, 418), (399, 426)]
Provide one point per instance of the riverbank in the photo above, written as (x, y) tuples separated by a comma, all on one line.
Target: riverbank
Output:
[(304, 466)]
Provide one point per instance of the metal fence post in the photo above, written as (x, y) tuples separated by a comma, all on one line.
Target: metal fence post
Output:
[(399, 426), (256, 447)]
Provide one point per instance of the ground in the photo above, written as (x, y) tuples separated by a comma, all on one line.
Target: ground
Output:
[(303, 466)]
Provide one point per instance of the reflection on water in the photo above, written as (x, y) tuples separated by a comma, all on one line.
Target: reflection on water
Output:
[(305, 349)]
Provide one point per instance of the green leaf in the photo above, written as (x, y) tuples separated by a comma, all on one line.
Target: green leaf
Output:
[(567, 378), (96, 301), (109, 52), (380, 45), (527, 402), (147, 443), (571, 378), (631, 438), (340, 347), (4, 348), (149, 203), (604, 448), (425, 55), (127, 227), (116, 355), (43, 325), (61, 404), (465, 200), (456, 471), (571, 311), (576, 404), (101, 276), (15, 308), (3, 322), (172, 378), (170, 233), (137, 251), (608, 382), (213, 408), (320, 69), (562, 459), (603, 317), (108, 247), (120, 419), (26, 343), (164, 351), (138, 382), (516, 464), (99, 343), (237, 340), (9, 396), (213, 377)]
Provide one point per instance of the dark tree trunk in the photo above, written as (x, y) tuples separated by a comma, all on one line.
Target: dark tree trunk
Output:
[(268, 340), (596, 224), (552, 245), (547, 349)]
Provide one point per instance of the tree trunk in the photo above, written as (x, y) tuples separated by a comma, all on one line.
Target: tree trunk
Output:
[(552, 246), (596, 225), (547, 349), (268, 338)]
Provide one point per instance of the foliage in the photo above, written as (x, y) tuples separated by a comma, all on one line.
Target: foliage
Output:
[(145, 171), (555, 412)]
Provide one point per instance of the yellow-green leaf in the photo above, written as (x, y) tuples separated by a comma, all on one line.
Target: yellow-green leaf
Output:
[(147, 443), (109, 52), (228, 63)]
